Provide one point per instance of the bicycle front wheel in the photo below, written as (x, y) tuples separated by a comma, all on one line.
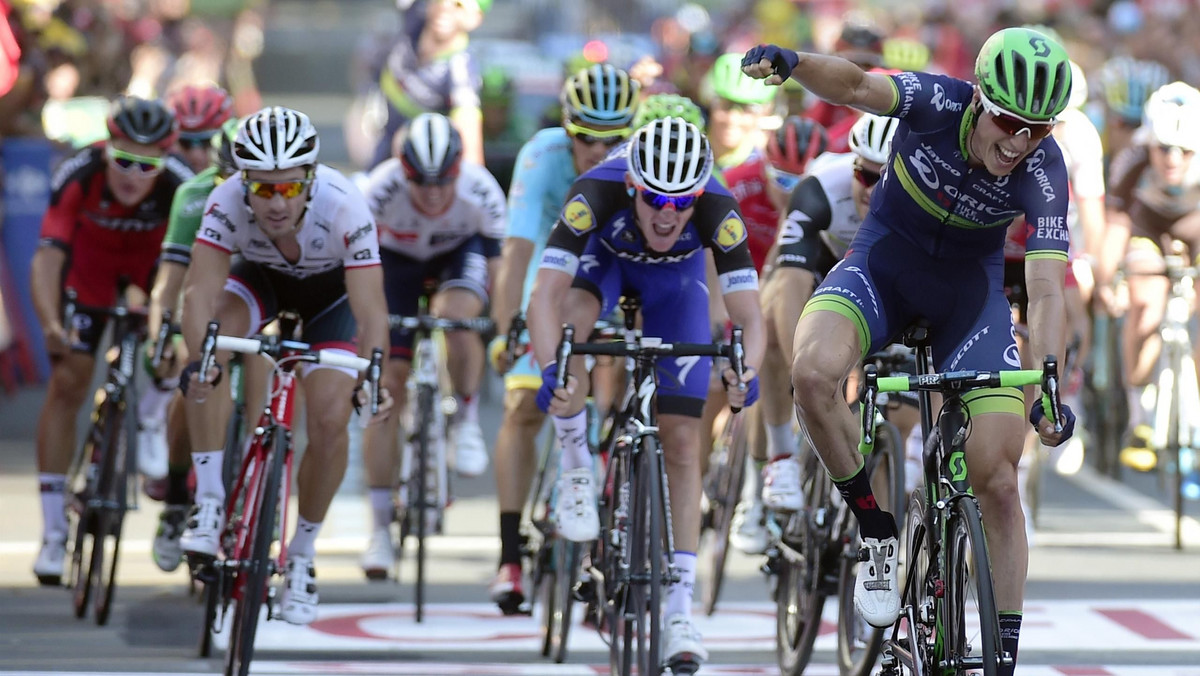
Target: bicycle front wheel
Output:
[(566, 573), (120, 434), (255, 573), (727, 474), (799, 593), (972, 626)]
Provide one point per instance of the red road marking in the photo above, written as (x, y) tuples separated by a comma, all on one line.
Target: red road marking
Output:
[(1143, 624), (1084, 671)]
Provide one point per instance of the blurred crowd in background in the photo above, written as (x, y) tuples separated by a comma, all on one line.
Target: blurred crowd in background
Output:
[(68, 58)]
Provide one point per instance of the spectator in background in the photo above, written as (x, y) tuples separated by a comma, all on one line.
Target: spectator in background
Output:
[(201, 110), (429, 70)]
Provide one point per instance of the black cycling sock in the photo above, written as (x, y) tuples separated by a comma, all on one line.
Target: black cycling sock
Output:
[(177, 485), (873, 522), (510, 537), (1010, 634)]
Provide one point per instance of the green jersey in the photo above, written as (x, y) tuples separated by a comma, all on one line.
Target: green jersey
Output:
[(186, 211)]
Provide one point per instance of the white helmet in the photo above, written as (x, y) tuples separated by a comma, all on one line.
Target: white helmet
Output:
[(871, 137), (670, 156), (1170, 116), (275, 138)]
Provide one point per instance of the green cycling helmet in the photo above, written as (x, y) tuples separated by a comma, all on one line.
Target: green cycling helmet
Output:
[(662, 106), (729, 82), (222, 147), (1025, 72)]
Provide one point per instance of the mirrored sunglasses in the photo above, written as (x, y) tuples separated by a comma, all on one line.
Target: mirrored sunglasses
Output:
[(658, 201), (866, 177), (589, 136), (786, 181), (288, 189), (129, 163), (1013, 124)]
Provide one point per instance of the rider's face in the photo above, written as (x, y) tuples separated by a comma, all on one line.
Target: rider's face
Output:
[(132, 170), (277, 198), (660, 227), (731, 124), (1171, 163), (866, 177)]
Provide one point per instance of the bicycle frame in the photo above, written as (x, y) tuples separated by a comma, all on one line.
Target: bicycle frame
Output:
[(948, 503)]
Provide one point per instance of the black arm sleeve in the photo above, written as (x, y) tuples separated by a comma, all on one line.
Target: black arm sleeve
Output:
[(808, 213)]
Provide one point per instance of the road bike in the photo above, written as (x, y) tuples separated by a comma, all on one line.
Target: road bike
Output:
[(948, 623), (631, 565), (252, 550), (722, 492), (103, 483), (424, 479), (814, 552)]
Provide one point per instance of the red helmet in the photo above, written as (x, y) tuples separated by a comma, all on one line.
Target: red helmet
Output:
[(795, 143), (201, 108)]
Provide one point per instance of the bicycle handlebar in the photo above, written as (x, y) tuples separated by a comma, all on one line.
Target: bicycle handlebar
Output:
[(513, 340), (431, 323), (328, 357), (956, 382), (165, 330)]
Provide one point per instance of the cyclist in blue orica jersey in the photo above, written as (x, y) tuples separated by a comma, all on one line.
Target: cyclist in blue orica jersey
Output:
[(965, 160)]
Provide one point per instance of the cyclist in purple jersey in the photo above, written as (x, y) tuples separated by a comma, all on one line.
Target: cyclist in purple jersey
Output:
[(965, 160)]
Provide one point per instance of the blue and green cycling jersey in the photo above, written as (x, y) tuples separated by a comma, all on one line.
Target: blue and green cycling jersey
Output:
[(935, 199)]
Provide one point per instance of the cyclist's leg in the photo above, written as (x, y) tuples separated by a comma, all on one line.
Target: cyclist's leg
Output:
[(1142, 342), (70, 377), (463, 295), (516, 461)]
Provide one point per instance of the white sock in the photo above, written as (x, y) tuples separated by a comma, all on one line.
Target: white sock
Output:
[(208, 474), (382, 507), (679, 594), (781, 441), (571, 434), (468, 408), (54, 516), (304, 541), (1137, 412), (153, 405)]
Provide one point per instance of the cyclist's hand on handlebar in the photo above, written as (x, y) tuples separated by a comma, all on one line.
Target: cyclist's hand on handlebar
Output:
[(361, 399), (1045, 427), (193, 389), (740, 397), (771, 63), (551, 400)]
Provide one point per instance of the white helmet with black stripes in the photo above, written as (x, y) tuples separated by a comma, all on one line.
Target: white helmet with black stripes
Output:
[(871, 137), (670, 156), (276, 138)]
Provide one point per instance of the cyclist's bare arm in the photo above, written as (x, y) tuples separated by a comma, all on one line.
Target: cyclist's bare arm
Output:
[(202, 287), (469, 122), (745, 311), (545, 313), (1093, 219), (364, 290), (1116, 240), (792, 288), (47, 275), (1047, 316), (509, 281), (838, 81)]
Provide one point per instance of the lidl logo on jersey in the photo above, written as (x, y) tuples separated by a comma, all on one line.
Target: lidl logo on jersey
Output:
[(732, 231), (577, 214)]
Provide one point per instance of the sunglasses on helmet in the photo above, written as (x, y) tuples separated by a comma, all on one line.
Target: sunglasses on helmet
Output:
[(659, 201), (589, 136), (784, 180), (1015, 125), (129, 163)]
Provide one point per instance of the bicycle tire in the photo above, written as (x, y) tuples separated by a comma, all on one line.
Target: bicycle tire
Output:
[(123, 448), (545, 583), (566, 565), (654, 506), (617, 588), (966, 558), (799, 597), (722, 506), (85, 523), (886, 467), (212, 594), (257, 570), (917, 591), (425, 403)]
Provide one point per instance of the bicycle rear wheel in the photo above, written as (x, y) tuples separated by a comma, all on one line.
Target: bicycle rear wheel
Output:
[(727, 473), (799, 593), (859, 642), (558, 609), (426, 400), (969, 594), (254, 574)]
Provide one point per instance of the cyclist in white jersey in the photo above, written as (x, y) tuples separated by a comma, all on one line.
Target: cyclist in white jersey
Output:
[(441, 220), (285, 233), (598, 105)]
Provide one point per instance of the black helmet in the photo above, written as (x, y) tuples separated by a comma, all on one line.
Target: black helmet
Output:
[(146, 121)]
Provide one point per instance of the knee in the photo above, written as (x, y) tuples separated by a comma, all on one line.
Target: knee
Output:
[(521, 411), (811, 379), (328, 420), (68, 387)]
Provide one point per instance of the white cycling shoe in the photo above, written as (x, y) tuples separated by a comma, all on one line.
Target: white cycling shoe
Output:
[(877, 587), (781, 485), (682, 643), (379, 555), (203, 533), (747, 532), (575, 507), (298, 603), (470, 450)]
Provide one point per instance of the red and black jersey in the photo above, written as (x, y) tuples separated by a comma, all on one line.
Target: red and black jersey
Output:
[(105, 239)]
